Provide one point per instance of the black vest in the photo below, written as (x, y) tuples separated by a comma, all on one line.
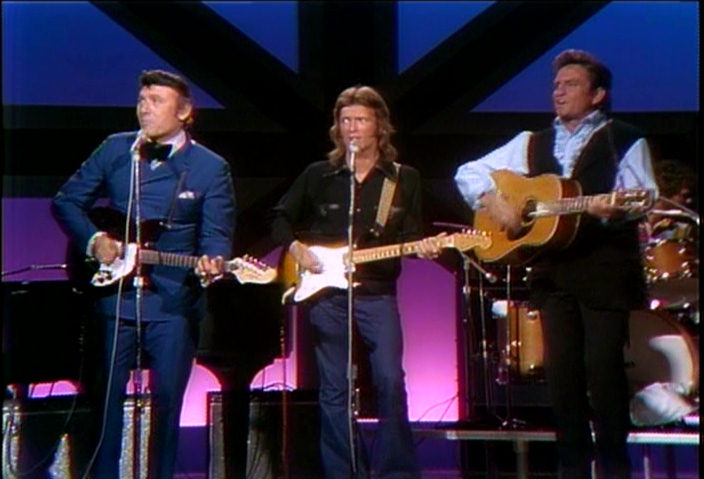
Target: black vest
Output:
[(602, 267)]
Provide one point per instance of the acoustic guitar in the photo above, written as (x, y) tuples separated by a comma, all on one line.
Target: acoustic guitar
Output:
[(550, 209)]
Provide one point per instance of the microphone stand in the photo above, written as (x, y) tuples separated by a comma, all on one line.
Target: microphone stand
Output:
[(684, 212), (35, 267), (139, 290), (352, 400)]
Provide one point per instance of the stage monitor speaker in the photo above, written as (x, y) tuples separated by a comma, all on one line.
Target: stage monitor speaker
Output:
[(276, 448), (56, 436)]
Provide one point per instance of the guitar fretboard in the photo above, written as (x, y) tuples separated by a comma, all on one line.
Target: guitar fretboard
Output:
[(393, 251), (578, 204), (168, 259), (638, 199)]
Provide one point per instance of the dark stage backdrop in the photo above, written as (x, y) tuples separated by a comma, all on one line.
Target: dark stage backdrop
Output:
[(461, 78)]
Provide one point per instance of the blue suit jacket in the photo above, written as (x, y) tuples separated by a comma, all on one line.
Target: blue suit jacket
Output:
[(193, 189)]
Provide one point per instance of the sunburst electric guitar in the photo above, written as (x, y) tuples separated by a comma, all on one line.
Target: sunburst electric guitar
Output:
[(303, 283), (550, 209)]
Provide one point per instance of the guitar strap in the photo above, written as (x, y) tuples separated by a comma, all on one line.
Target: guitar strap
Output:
[(385, 200)]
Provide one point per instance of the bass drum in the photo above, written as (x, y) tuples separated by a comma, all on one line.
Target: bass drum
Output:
[(662, 365)]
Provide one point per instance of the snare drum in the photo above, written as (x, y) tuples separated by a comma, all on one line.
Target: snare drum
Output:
[(661, 351), (672, 271)]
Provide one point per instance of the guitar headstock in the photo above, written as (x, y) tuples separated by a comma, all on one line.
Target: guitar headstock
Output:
[(469, 239), (636, 200), (250, 270)]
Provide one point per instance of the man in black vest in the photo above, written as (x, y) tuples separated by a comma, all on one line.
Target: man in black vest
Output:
[(584, 292)]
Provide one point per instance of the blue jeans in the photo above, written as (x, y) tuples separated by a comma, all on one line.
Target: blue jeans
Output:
[(379, 326), (169, 348)]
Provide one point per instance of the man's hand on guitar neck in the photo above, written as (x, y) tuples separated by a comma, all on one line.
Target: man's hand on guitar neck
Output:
[(603, 209), (209, 269), (501, 211), (429, 248), (304, 257)]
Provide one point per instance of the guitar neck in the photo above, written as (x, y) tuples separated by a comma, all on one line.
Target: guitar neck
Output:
[(578, 204), (391, 251), (167, 259)]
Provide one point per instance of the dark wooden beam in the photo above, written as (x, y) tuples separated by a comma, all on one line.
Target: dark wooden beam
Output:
[(483, 55), (223, 61)]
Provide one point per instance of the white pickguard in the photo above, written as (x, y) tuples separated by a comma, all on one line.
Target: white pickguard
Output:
[(333, 275)]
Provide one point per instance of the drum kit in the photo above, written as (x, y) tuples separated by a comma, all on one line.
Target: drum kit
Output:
[(662, 355), (662, 359)]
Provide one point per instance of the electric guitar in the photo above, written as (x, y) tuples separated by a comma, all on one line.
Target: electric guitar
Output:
[(303, 283), (245, 269), (550, 209)]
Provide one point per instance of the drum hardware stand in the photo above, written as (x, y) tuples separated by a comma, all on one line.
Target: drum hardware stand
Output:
[(284, 401), (467, 264), (681, 212), (509, 422)]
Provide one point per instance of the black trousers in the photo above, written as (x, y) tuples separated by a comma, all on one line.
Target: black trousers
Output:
[(587, 381)]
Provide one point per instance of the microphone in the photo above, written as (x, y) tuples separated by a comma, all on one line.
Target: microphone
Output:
[(352, 149), (490, 277)]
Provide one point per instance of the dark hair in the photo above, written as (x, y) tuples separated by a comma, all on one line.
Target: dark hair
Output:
[(599, 74), (369, 97), (673, 175), (163, 78)]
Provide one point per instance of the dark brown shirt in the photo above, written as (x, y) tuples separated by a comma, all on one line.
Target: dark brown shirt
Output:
[(315, 210)]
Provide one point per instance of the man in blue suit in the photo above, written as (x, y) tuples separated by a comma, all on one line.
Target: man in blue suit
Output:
[(189, 189)]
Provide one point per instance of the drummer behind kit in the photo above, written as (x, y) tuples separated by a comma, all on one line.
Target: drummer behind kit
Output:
[(662, 357)]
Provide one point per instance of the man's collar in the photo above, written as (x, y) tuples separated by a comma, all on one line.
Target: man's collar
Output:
[(387, 168), (594, 118)]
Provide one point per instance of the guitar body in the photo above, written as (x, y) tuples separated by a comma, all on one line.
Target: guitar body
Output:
[(113, 223), (537, 234), (308, 284)]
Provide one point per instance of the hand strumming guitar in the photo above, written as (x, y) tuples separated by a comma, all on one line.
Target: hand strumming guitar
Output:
[(501, 211), (304, 257), (106, 250)]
